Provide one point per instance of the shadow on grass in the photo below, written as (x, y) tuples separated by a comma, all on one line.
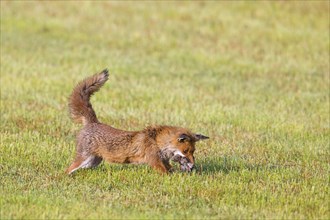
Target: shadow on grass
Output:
[(225, 164), (229, 164)]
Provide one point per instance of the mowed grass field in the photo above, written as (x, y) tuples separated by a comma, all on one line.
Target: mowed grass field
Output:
[(254, 76)]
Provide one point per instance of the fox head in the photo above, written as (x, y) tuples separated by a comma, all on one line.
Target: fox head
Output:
[(185, 145), (178, 144)]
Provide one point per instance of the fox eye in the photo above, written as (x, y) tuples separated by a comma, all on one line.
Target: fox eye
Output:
[(185, 151)]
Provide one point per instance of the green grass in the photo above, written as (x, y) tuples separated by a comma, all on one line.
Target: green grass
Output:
[(252, 76)]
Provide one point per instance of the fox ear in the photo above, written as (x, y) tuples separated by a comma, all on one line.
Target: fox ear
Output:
[(183, 138), (152, 132), (200, 137)]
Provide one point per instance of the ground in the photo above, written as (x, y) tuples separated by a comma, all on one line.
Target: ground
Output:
[(253, 76)]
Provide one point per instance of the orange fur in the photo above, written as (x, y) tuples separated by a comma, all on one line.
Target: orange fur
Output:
[(155, 145)]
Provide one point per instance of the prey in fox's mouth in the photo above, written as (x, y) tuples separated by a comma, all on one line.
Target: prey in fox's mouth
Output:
[(185, 165)]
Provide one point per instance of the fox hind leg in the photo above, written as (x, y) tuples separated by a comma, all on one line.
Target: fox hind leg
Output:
[(84, 162)]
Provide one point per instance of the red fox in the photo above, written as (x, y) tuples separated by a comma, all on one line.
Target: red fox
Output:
[(154, 145)]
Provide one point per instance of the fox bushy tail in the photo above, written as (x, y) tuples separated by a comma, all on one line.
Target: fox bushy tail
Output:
[(80, 108)]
